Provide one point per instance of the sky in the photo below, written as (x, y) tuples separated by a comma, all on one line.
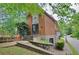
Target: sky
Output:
[(76, 7), (49, 10)]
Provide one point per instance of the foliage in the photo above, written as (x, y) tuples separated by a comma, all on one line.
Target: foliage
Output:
[(8, 27), (60, 43), (62, 9), (44, 41), (62, 26), (23, 29), (68, 30), (75, 25), (15, 13), (13, 8)]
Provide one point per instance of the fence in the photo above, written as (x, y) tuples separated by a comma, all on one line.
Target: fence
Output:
[(6, 38)]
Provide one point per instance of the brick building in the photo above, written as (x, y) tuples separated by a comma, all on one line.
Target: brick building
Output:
[(44, 26)]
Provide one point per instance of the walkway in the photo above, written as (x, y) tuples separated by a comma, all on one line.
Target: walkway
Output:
[(7, 44), (52, 50)]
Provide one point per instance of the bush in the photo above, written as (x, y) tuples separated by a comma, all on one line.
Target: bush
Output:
[(60, 44), (75, 35), (23, 29)]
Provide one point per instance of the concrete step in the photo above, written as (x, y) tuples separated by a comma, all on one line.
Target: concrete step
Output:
[(27, 44)]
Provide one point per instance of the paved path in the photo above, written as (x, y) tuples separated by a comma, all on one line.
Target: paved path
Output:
[(74, 42), (7, 44), (52, 49)]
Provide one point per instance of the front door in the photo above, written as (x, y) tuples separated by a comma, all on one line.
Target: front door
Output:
[(35, 26), (35, 29)]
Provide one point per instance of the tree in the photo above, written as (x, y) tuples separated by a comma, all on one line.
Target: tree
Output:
[(75, 25), (16, 13), (13, 8), (64, 13)]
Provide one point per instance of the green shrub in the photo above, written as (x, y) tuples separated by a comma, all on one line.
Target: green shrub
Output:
[(75, 35), (45, 41), (23, 28), (60, 44)]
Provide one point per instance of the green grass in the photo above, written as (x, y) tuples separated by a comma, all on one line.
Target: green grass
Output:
[(73, 50), (15, 50), (44, 41)]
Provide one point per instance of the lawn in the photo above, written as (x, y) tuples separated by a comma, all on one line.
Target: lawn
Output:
[(73, 50), (44, 41), (15, 50)]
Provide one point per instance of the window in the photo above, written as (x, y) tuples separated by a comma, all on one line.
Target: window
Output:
[(51, 40), (35, 19)]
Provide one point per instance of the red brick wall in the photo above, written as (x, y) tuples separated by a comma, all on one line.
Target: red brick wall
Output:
[(30, 22), (46, 25), (41, 25), (50, 26)]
